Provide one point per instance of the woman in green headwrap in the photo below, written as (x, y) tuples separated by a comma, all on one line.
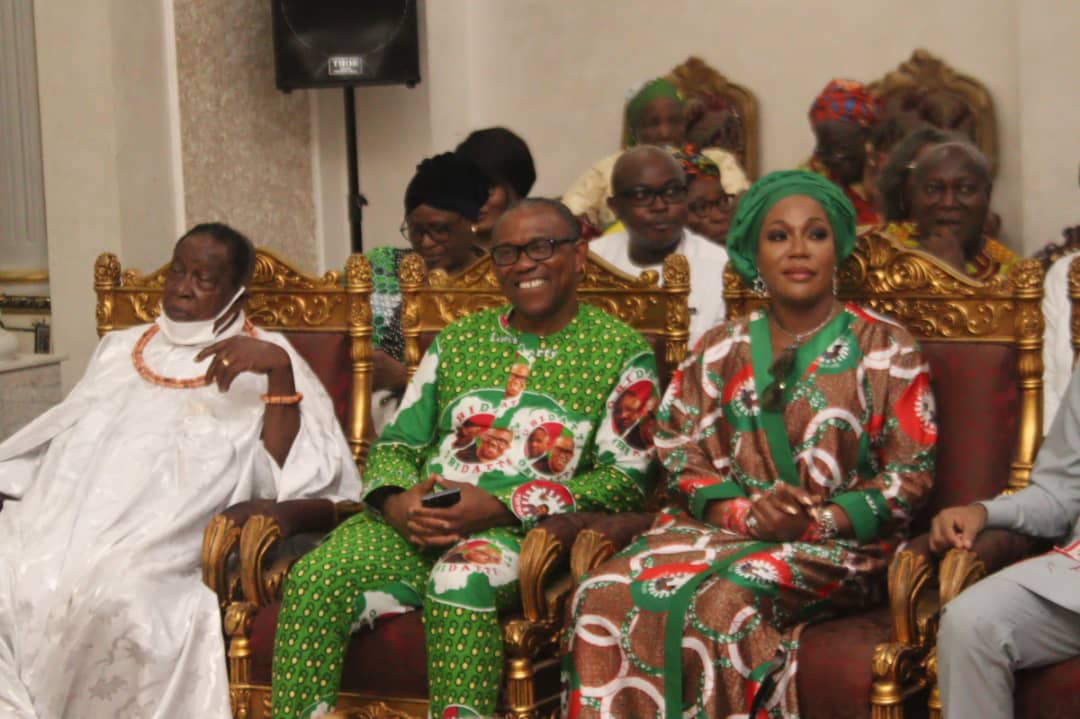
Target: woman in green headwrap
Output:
[(798, 442), (653, 116)]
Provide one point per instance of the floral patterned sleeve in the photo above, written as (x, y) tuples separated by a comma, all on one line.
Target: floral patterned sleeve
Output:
[(896, 455), (688, 415)]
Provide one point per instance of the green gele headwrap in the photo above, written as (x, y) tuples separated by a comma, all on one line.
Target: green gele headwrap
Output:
[(742, 239), (652, 90)]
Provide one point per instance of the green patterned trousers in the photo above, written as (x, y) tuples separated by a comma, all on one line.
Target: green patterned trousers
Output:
[(366, 570)]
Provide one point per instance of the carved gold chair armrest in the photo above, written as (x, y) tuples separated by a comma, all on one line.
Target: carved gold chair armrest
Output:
[(265, 558), (958, 570), (604, 535), (220, 552), (899, 665), (531, 640)]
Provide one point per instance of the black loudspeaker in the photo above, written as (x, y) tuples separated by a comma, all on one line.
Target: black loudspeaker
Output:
[(341, 43)]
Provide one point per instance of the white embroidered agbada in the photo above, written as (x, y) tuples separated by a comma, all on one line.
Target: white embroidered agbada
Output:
[(103, 613)]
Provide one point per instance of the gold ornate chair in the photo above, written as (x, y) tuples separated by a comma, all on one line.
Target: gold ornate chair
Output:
[(983, 344), (719, 113), (1054, 251), (1046, 692), (327, 319), (924, 89), (430, 301), (371, 686)]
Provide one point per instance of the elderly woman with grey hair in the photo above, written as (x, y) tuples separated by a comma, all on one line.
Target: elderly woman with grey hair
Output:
[(935, 192)]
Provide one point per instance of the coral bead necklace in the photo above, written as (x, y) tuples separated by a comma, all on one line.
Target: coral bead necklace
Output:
[(153, 377)]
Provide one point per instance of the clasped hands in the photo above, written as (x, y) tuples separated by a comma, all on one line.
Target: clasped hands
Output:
[(423, 526), (783, 514)]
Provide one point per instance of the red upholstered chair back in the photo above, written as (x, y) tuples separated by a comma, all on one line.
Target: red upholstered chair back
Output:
[(328, 356), (430, 301), (327, 320), (977, 389), (983, 342)]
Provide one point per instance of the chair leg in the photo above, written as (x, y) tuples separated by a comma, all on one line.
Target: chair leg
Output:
[(895, 669), (238, 618), (520, 692), (933, 702)]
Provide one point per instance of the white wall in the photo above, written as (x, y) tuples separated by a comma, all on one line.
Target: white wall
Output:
[(1049, 128), (556, 73), (106, 152)]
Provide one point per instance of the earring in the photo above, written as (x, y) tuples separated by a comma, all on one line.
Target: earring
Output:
[(758, 287), (835, 282), (473, 228)]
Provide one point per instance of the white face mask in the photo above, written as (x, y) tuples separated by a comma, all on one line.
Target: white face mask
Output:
[(199, 332)]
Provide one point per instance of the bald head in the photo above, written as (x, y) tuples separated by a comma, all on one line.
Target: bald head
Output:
[(636, 162), (649, 197)]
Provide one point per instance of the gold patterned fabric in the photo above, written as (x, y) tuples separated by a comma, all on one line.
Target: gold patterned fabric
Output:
[(994, 259)]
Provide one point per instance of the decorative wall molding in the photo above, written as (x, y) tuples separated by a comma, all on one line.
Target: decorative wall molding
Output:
[(23, 243)]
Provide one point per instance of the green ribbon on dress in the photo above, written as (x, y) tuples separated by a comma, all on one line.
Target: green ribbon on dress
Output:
[(761, 356), (676, 620)]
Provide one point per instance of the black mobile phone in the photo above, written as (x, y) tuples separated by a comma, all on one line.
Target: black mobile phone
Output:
[(442, 499)]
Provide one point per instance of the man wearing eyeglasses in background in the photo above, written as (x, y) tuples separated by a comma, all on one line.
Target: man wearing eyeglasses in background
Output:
[(650, 198)]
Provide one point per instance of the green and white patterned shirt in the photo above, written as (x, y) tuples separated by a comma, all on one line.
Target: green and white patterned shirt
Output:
[(546, 424)]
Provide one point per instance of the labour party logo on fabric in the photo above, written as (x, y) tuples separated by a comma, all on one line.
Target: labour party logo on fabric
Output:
[(916, 411), (840, 356), (763, 572), (463, 573), (654, 587), (632, 409), (539, 498), (739, 400)]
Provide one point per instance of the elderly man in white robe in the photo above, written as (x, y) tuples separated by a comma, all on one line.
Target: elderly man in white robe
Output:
[(105, 498)]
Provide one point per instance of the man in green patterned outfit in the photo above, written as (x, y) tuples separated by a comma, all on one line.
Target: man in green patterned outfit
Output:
[(469, 420)]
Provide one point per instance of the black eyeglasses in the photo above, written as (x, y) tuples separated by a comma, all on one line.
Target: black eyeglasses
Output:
[(701, 208), (539, 249), (643, 196), (772, 397), (415, 231)]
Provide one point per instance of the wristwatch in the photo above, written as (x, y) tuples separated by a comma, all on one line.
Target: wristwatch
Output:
[(827, 520)]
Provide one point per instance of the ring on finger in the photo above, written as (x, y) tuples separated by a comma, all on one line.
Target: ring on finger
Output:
[(225, 361), (751, 522)]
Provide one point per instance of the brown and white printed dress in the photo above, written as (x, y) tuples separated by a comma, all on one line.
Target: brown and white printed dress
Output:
[(689, 618)]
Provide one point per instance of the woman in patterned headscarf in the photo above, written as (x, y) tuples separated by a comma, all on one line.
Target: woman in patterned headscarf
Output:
[(798, 442), (842, 117), (709, 204), (653, 116)]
